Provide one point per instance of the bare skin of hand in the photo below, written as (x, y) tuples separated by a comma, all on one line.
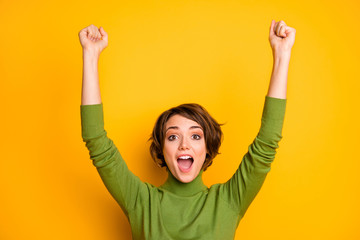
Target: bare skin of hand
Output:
[(281, 37), (93, 42), (93, 39)]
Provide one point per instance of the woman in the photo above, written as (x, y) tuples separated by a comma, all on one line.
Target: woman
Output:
[(185, 140)]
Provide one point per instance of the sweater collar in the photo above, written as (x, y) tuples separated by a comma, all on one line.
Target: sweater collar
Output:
[(184, 189)]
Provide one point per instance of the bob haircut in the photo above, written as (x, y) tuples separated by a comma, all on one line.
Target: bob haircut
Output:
[(212, 132)]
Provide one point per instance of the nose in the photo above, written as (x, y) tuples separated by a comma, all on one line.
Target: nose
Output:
[(184, 144)]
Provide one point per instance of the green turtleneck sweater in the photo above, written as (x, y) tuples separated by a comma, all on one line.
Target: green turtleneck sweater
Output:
[(177, 210)]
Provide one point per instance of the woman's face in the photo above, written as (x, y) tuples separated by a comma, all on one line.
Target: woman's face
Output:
[(184, 148)]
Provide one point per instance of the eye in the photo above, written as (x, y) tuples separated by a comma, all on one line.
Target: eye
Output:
[(172, 137), (196, 137)]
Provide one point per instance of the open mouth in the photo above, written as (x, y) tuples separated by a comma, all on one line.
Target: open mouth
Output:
[(185, 163)]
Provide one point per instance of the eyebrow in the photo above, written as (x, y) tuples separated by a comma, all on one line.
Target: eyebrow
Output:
[(176, 127)]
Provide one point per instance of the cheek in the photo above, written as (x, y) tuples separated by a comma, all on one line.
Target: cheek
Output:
[(201, 148), (168, 151)]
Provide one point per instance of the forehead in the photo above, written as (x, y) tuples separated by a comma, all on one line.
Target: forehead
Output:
[(181, 122)]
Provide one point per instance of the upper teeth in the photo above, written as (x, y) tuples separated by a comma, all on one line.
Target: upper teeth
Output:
[(185, 157)]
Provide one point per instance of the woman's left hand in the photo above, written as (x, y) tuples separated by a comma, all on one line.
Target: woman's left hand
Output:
[(281, 37)]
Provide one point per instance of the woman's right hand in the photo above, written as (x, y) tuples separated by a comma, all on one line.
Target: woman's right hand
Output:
[(93, 39)]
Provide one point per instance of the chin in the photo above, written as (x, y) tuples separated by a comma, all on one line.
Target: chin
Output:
[(186, 177)]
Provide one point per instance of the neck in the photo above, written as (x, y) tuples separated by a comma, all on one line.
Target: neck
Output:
[(184, 189)]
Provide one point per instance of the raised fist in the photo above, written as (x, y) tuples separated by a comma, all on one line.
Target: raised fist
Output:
[(93, 39), (281, 37)]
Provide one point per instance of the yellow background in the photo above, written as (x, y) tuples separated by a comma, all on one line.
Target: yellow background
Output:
[(161, 54)]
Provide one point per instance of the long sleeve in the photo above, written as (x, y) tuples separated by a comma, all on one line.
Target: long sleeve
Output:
[(241, 189), (122, 184)]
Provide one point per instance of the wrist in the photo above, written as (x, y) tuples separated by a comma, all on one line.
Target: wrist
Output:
[(282, 55), (90, 54)]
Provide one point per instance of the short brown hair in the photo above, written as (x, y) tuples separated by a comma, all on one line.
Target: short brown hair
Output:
[(212, 132)]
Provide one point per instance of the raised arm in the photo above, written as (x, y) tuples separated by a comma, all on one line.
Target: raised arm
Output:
[(240, 190), (123, 185), (93, 41), (281, 38)]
